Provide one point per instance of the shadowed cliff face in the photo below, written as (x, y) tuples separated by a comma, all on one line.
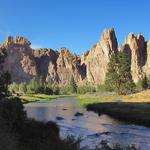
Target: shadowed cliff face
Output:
[(46, 63), (97, 58), (20, 61), (24, 63), (135, 48)]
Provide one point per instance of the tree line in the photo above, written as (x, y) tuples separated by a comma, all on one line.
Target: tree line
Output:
[(119, 78)]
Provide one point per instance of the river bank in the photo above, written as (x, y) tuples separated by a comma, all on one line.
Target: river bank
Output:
[(90, 127), (134, 108), (28, 98)]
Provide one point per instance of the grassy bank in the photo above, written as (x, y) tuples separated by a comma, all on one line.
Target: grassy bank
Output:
[(39, 97), (138, 113), (141, 97), (134, 108)]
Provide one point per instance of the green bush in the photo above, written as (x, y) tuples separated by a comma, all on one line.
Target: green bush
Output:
[(13, 88), (86, 89), (65, 90), (143, 84), (72, 86), (101, 88), (11, 110), (22, 88)]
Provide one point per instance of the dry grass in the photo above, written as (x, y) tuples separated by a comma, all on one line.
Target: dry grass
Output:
[(143, 96)]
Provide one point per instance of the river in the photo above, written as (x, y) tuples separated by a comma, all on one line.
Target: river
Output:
[(89, 126)]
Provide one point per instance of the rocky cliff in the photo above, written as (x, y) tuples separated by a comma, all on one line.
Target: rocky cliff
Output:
[(20, 61), (135, 48), (24, 63), (97, 58)]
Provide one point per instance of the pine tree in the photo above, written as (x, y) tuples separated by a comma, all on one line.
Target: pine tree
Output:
[(145, 82), (14, 87), (4, 76), (41, 81), (73, 85), (22, 88), (33, 85), (118, 77), (142, 84)]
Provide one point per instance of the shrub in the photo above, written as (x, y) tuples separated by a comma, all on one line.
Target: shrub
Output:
[(101, 88), (72, 86), (13, 88), (65, 90), (48, 91), (142, 84), (22, 88), (11, 110), (86, 89)]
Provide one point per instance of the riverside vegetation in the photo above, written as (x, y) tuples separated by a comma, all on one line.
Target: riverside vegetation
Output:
[(118, 91), (121, 105), (17, 132), (26, 134)]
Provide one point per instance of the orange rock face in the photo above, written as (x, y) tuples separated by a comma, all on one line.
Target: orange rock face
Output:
[(135, 47), (97, 59), (69, 65), (24, 63), (20, 61)]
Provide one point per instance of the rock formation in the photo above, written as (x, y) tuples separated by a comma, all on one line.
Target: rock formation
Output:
[(135, 48), (146, 67), (69, 65), (25, 63), (20, 61), (97, 58), (46, 63)]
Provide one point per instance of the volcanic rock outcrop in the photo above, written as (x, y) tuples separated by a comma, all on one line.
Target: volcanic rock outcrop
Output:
[(24, 63), (46, 63), (69, 65), (20, 61), (96, 60), (146, 67), (135, 48)]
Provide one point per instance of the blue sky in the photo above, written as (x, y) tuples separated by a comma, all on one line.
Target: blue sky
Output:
[(75, 24)]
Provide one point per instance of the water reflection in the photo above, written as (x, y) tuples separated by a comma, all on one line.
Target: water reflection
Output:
[(90, 127)]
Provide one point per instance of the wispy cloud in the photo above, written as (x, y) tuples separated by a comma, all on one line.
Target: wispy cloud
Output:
[(35, 46)]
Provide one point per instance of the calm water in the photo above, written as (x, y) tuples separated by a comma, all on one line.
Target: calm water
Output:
[(90, 127)]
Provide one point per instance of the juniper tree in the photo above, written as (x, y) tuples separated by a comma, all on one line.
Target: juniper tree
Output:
[(4, 75), (142, 84), (118, 76), (22, 88), (73, 85)]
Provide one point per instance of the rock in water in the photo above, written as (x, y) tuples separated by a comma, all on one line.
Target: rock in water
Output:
[(78, 114)]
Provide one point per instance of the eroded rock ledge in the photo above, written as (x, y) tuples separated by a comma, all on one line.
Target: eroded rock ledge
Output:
[(23, 62)]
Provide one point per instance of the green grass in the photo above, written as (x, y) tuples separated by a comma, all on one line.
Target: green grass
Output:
[(134, 108), (141, 97), (39, 97), (86, 99), (138, 113)]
